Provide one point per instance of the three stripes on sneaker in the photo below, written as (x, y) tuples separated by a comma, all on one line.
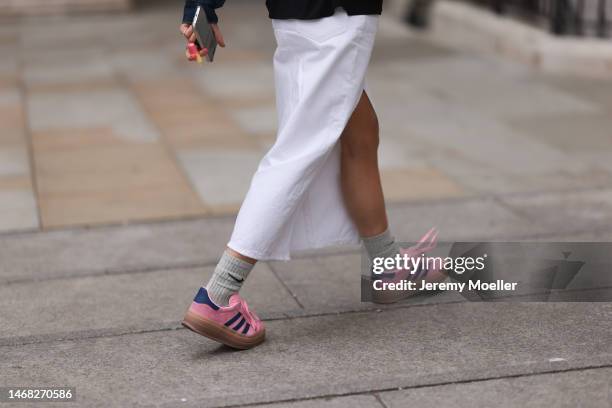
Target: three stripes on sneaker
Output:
[(240, 323)]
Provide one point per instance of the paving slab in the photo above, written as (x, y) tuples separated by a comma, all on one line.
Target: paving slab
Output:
[(481, 152), (489, 142), (92, 177), (79, 252), (417, 184), (599, 235), (91, 66), (144, 64), (58, 56), (220, 177), (105, 304), (485, 179), (11, 97), (14, 161), (488, 85), (352, 401), (320, 356), (391, 47), (577, 210), (393, 95), (231, 81), (18, 210), (573, 134), (394, 154), (114, 108), (583, 388), (259, 120), (172, 104), (598, 91), (333, 282), (602, 157), (458, 219)]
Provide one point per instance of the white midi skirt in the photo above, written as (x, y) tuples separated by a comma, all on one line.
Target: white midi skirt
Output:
[(295, 201)]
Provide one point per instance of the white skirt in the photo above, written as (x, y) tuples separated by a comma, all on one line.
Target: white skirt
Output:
[(295, 201)]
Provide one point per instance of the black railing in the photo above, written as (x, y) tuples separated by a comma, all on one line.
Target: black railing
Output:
[(561, 17)]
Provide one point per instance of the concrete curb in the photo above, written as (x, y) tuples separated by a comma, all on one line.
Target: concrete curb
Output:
[(465, 26)]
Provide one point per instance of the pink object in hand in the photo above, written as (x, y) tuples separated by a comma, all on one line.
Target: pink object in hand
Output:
[(194, 52)]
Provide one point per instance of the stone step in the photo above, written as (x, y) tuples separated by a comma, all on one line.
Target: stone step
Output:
[(78, 252), (87, 251)]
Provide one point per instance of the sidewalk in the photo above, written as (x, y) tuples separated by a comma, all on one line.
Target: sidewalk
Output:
[(115, 204), (102, 122)]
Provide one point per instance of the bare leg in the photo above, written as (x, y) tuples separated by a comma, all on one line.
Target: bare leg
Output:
[(360, 176)]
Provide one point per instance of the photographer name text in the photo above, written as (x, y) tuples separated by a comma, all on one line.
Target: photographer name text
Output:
[(478, 285)]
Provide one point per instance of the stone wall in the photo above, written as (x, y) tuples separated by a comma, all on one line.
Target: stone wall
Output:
[(25, 7)]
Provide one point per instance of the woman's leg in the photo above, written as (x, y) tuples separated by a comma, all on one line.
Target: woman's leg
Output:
[(240, 256), (361, 185), (363, 193)]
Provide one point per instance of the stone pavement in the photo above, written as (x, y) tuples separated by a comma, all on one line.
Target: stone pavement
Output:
[(115, 204)]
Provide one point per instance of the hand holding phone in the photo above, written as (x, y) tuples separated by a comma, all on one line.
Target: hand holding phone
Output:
[(193, 49), (203, 30), (192, 52)]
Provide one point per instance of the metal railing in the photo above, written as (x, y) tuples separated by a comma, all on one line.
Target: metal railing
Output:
[(561, 17)]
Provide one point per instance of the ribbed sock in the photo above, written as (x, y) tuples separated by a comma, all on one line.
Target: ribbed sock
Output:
[(381, 245), (230, 273)]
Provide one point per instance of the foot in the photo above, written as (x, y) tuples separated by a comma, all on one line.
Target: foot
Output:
[(426, 244), (233, 325)]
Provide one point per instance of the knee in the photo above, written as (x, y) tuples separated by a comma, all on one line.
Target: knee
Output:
[(362, 140)]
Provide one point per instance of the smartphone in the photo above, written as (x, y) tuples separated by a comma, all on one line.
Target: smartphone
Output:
[(204, 34)]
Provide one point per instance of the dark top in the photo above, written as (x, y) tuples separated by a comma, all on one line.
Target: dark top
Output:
[(290, 9)]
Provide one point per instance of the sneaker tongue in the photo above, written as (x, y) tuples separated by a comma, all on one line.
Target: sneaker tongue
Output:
[(234, 299)]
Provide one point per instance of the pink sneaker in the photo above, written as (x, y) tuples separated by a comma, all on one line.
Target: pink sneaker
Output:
[(426, 244), (234, 325)]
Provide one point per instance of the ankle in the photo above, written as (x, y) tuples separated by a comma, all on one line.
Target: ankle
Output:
[(228, 278)]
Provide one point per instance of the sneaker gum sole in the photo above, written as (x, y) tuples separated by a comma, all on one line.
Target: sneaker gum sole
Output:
[(220, 333)]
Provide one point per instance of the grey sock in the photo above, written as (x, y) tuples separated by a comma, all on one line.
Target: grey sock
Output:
[(228, 278), (381, 245)]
